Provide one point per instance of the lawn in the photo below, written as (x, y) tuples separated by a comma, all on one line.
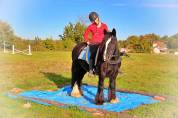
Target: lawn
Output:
[(148, 73)]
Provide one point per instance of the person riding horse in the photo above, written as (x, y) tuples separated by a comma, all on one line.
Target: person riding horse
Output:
[(96, 29), (107, 65)]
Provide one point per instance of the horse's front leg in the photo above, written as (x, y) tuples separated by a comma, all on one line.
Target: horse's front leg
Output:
[(112, 89), (99, 99)]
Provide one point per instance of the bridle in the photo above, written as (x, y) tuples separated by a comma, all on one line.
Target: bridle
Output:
[(109, 58)]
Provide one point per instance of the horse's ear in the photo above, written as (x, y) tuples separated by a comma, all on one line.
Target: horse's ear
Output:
[(114, 32), (104, 31)]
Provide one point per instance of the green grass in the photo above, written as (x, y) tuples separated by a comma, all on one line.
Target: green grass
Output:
[(149, 73)]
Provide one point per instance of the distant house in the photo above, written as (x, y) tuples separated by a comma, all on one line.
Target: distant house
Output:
[(159, 47)]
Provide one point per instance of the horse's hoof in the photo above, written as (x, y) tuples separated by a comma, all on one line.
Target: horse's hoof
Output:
[(113, 101), (75, 92), (99, 99), (76, 95), (99, 102)]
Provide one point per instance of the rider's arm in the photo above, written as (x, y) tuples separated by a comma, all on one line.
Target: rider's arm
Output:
[(86, 33), (106, 27)]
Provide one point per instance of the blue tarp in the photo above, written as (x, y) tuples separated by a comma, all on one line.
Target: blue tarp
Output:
[(127, 100)]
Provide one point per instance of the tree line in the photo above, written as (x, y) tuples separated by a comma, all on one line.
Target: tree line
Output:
[(73, 34)]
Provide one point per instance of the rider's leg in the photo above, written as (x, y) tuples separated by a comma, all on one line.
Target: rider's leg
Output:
[(93, 49)]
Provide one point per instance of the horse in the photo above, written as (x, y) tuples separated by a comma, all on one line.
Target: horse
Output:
[(108, 65)]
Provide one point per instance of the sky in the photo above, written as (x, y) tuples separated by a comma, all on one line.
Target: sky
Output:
[(47, 18)]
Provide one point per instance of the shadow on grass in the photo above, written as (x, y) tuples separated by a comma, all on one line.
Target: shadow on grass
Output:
[(59, 80)]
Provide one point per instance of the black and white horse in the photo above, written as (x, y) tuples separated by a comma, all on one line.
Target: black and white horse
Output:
[(108, 64)]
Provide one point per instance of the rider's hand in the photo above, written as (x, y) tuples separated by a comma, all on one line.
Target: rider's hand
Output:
[(88, 43)]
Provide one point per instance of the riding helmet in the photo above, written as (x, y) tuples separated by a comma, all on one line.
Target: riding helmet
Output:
[(93, 16)]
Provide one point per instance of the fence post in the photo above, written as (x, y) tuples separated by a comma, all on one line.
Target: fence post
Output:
[(13, 49), (29, 50), (4, 47)]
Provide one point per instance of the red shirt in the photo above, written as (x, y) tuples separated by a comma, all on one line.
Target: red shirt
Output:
[(97, 33)]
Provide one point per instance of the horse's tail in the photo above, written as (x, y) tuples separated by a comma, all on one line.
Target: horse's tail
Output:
[(77, 50)]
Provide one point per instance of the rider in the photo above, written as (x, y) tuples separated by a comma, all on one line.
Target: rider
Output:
[(96, 29)]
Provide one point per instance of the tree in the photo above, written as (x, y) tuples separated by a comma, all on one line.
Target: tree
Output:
[(141, 43), (79, 29), (133, 43), (37, 44), (74, 32), (6, 32), (173, 41), (165, 38), (49, 44), (68, 32)]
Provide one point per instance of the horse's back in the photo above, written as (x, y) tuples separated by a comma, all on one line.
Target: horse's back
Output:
[(77, 50)]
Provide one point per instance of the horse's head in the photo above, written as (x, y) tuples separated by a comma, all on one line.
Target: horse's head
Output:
[(109, 48)]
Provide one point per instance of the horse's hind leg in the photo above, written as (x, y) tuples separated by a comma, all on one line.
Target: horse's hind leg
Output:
[(74, 77), (77, 75), (79, 80)]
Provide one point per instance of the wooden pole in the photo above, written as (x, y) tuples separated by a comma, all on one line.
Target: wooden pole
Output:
[(29, 50), (4, 47), (13, 49)]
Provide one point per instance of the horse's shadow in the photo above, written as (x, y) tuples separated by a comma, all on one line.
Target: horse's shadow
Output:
[(58, 79), (62, 81), (90, 99)]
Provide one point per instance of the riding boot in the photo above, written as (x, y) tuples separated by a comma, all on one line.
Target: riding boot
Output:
[(90, 68)]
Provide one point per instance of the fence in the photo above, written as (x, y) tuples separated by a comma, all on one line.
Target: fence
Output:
[(8, 48)]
